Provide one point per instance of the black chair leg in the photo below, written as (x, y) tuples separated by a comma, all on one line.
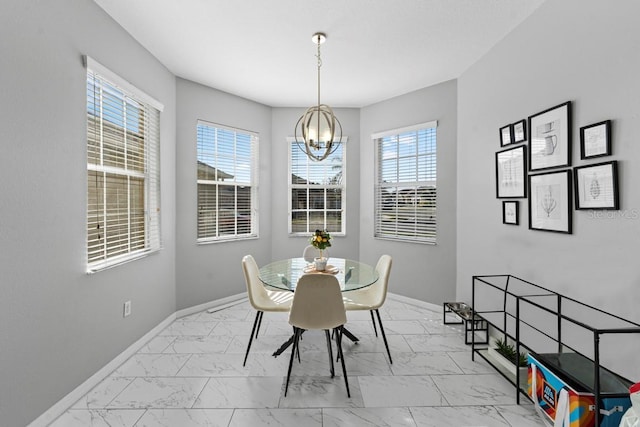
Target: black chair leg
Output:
[(296, 338), (384, 337), (374, 323), (253, 331), (333, 372), (344, 369), (259, 323)]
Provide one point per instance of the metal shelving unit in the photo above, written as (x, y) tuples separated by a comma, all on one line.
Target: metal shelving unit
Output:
[(563, 332)]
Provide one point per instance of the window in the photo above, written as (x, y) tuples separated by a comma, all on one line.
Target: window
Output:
[(227, 183), (406, 184), (317, 191), (123, 185)]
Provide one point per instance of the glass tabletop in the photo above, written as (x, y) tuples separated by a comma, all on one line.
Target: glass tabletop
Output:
[(351, 275)]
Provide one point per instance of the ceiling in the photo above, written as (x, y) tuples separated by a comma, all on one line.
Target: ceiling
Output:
[(263, 50)]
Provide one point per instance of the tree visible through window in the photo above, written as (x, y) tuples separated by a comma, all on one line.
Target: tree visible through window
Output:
[(406, 184), (317, 191), (227, 185)]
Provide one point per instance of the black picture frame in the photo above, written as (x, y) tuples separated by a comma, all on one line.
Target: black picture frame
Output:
[(596, 186), (511, 212), (595, 140), (511, 172), (506, 135), (550, 196), (550, 138), (519, 131)]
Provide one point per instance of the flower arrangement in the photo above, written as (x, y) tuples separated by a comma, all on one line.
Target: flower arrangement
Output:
[(321, 240)]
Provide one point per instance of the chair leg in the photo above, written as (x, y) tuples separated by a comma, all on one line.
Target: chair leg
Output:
[(384, 337), (333, 372), (344, 369), (374, 323), (253, 331), (296, 338), (259, 323)]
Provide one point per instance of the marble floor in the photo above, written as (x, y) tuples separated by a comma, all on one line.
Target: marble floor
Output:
[(191, 374)]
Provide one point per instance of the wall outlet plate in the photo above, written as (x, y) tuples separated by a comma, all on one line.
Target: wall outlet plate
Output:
[(127, 309)]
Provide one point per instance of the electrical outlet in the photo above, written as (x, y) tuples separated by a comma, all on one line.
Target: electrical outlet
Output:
[(127, 309)]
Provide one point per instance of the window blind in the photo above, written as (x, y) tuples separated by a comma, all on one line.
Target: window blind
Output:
[(406, 190), (227, 183), (317, 191), (123, 185)]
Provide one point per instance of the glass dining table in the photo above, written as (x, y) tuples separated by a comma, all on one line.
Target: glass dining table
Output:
[(284, 275)]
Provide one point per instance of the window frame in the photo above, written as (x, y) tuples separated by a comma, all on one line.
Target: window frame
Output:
[(377, 226), (254, 179), (151, 195), (291, 143)]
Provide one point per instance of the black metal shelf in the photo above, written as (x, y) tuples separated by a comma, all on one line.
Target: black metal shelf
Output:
[(503, 299)]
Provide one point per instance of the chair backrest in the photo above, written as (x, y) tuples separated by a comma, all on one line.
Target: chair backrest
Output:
[(383, 268), (317, 303), (310, 252), (256, 291)]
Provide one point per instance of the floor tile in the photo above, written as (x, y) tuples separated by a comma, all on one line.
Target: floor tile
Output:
[(476, 389), (185, 418), (98, 418), (277, 417), (189, 328), (261, 392), (159, 393), (458, 416), (424, 364), (199, 344), (103, 393), (427, 342), (468, 366), (367, 417), (400, 391), (213, 365), (157, 344), (321, 392), (151, 365), (523, 415)]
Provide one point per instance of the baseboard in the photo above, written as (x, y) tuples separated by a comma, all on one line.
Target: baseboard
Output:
[(413, 301), (70, 399), (212, 306)]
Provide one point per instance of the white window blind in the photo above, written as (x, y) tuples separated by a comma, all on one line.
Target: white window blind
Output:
[(123, 169), (406, 187), (227, 183), (317, 191)]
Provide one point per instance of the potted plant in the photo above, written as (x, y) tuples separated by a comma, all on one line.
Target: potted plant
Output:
[(321, 240), (505, 354)]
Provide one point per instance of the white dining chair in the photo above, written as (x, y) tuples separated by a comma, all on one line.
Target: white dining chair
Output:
[(311, 252), (317, 304), (373, 297), (260, 298)]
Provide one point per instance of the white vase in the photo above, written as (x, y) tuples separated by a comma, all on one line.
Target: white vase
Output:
[(320, 263)]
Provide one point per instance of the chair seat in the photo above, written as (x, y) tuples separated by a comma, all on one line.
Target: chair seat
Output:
[(277, 301), (362, 300)]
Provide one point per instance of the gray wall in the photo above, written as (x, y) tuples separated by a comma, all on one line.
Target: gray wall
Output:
[(283, 245), (577, 50), (58, 325), (212, 271), (425, 272)]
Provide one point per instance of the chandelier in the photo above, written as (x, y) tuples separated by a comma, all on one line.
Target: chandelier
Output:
[(316, 132)]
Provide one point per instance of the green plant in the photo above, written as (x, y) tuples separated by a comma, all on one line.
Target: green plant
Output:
[(321, 239), (509, 352)]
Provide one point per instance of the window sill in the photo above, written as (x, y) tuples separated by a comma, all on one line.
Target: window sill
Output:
[(125, 259)]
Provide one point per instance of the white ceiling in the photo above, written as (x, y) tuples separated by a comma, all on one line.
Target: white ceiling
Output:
[(263, 50)]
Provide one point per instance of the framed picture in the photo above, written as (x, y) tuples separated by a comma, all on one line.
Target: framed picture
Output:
[(597, 186), (550, 138), (550, 201), (520, 131), (595, 140), (511, 173), (510, 212), (506, 135)]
